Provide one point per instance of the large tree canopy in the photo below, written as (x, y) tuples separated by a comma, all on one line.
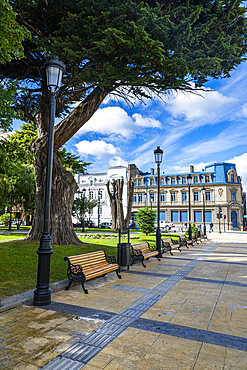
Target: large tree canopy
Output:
[(131, 48)]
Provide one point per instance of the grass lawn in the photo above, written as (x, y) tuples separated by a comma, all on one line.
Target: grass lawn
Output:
[(19, 260)]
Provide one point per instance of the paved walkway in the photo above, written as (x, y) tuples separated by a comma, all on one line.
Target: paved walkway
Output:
[(187, 311)]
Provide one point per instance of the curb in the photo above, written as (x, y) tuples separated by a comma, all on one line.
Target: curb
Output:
[(26, 297)]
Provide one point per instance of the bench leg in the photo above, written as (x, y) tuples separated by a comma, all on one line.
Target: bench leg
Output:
[(68, 286), (179, 249), (171, 251), (143, 263), (118, 275), (83, 287)]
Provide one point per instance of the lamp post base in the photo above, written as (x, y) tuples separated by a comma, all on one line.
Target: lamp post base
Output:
[(158, 242), (42, 295)]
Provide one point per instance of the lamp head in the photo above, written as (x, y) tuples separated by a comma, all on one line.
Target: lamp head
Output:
[(203, 190), (158, 153), (189, 179), (54, 71)]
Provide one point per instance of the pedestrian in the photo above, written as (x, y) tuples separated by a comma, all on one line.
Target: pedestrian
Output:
[(211, 227), (185, 225)]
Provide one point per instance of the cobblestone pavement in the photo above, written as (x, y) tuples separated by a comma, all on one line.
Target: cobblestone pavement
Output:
[(187, 311)]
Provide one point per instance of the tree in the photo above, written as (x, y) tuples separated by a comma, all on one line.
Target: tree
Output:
[(132, 49), (145, 220), (82, 205), (115, 194), (11, 37)]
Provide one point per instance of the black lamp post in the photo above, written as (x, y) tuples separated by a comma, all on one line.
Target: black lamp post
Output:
[(203, 199), (42, 294), (158, 153), (12, 198), (99, 192), (83, 222), (189, 180), (145, 198)]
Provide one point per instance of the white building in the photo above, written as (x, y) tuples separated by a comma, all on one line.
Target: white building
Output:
[(95, 185)]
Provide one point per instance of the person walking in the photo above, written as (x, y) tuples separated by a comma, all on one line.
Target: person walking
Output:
[(211, 227)]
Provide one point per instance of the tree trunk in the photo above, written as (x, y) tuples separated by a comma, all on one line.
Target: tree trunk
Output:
[(63, 184), (116, 203), (62, 196)]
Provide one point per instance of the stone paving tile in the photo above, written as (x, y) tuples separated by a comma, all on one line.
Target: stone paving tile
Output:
[(32, 336)]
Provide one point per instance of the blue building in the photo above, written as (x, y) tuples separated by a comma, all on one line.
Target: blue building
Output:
[(222, 185)]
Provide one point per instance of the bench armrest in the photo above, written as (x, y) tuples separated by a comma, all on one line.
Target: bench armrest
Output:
[(110, 259), (136, 252)]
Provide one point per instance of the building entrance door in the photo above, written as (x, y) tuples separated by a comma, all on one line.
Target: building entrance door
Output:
[(234, 219)]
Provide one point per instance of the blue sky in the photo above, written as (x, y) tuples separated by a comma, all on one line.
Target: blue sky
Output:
[(191, 130)]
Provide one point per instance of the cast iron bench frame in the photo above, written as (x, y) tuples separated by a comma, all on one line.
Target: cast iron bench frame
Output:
[(169, 245), (87, 266), (141, 252)]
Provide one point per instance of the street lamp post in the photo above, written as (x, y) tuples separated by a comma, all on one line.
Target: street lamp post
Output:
[(83, 222), (42, 294), (99, 192), (158, 153), (145, 198), (189, 180), (12, 198), (204, 225)]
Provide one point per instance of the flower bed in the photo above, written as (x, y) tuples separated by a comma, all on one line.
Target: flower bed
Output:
[(106, 236)]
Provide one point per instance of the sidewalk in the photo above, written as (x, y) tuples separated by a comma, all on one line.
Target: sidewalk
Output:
[(187, 311)]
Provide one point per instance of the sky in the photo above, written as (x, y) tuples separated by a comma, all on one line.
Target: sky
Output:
[(190, 129)]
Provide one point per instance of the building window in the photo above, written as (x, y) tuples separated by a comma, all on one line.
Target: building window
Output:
[(174, 216), (100, 210), (173, 197), (135, 182), (233, 196), (184, 197), (134, 198), (140, 182), (232, 177), (183, 216), (151, 197), (162, 181), (197, 216), (207, 179), (162, 216), (100, 194), (195, 179), (196, 196), (208, 216), (140, 198), (90, 211), (91, 195), (151, 181), (208, 195), (91, 182), (173, 181), (183, 180), (162, 197)]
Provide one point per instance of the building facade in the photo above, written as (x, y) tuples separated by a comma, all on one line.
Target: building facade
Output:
[(222, 188), (95, 185)]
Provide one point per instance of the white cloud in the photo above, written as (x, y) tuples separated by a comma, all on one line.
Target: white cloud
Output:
[(117, 161), (227, 139), (97, 148), (115, 120), (243, 111), (193, 106), (145, 121), (241, 167)]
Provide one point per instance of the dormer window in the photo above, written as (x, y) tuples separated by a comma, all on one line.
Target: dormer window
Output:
[(207, 179)]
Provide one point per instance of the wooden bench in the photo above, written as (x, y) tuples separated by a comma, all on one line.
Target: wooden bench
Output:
[(141, 252), (184, 242), (88, 266), (169, 245)]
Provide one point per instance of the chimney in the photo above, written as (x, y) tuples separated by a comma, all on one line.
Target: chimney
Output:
[(191, 169), (152, 171)]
